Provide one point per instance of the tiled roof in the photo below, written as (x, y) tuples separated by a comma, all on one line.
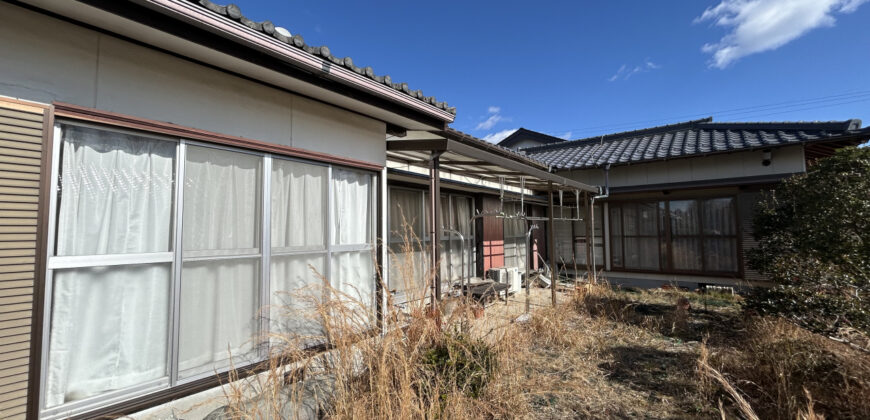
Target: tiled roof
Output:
[(524, 134), (233, 12), (690, 138)]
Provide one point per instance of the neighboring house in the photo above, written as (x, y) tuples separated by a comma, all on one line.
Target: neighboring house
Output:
[(169, 171), (523, 138), (682, 196)]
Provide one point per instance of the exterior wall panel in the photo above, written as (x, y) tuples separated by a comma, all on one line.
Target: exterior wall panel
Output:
[(82, 67), (21, 136)]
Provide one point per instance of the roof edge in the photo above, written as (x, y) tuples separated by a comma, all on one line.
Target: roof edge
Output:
[(638, 132), (229, 22)]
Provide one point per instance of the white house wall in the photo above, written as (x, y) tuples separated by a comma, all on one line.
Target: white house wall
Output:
[(45, 60), (785, 160)]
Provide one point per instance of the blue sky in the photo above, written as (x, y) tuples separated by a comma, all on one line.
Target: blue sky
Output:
[(578, 69)]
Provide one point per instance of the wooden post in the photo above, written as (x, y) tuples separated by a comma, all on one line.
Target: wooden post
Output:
[(434, 227), (551, 242)]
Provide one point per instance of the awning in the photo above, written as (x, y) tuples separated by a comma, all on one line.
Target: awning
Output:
[(463, 155)]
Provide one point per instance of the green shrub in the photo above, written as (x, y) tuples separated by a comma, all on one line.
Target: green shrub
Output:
[(814, 243)]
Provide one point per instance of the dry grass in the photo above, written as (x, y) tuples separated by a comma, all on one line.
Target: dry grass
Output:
[(602, 353)]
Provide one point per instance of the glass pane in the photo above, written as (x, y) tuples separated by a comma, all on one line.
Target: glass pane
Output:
[(615, 251), (687, 254), (352, 209), (720, 255), (663, 214), (115, 193), (406, 210), (109, 329), (719, 217), (630, 221), (684, 217), (221, 200), (647, 221), (353, 277), (296, 289), (408, 271), (462, 212), (219, 315), (615, 221), (632, 252), (298, 205)]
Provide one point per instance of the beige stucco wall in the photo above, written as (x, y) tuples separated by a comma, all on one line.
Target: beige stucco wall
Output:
[(785, 160), (45, 60)]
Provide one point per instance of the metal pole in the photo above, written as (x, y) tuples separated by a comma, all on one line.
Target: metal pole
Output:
[(589, 244), (551, 240), (528, 278), (435, 229)]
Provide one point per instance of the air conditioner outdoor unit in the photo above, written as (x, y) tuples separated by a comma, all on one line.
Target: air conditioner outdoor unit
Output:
[(514, 279), (498, 275)]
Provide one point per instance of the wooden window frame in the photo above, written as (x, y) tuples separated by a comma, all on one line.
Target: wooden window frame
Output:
[(665, 236)]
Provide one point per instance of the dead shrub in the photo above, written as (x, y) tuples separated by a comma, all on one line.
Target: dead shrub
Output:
[(779, 365)]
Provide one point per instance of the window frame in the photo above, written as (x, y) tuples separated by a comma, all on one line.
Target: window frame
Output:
[(175, 257), (665, 235)]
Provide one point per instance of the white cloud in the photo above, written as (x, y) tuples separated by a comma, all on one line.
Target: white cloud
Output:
[(566, 136), (625, 72), (499, 135), (764, 25), (489, 122), (493, 119)]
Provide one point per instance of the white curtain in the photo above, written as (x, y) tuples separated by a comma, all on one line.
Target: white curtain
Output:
[(218, 314), (298, 224), (296, 290), (116, 193), (298, 205), (219, 302), (407, 267), (353, 275), (352, 272), (109, 324), (352, 216), (221, 201)]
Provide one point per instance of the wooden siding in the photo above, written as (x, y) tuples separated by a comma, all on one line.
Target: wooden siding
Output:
[(21, 143)]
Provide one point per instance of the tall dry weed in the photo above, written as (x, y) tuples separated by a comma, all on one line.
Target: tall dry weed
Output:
[(420, 363)]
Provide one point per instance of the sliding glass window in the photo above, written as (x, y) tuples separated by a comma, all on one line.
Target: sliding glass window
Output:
[(170, 259), (680, 236), (112, 266), (221, 258)]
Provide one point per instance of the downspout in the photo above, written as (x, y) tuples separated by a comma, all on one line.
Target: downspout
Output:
[(602, 195)]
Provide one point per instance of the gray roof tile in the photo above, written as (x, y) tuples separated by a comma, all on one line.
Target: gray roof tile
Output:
[(698, 137), (233, 12)]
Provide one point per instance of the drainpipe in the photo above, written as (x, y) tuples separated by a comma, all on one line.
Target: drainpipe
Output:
[(603, 193)]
